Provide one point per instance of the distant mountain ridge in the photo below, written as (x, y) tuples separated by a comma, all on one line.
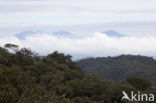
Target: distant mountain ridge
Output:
[(62, 33), (120, 67), (112, 33), (23, 35)]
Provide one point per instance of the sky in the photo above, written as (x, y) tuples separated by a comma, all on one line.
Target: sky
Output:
[(84, 18), (72, 12)]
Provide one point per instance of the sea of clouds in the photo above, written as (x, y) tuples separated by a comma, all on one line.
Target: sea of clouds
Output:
[(98, 44)]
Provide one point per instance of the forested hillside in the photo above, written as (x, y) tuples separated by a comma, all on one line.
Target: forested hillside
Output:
[(120, 67), (26, 77)]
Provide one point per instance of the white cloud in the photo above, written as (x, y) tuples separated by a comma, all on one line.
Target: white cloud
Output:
[(96, 45)]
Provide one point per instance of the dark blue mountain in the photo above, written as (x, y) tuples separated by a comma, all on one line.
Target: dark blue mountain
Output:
[(25, 34), (62, 33), (112, 33)]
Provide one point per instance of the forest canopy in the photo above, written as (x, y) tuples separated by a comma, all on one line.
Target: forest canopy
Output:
[(120, 67), (26, 77)]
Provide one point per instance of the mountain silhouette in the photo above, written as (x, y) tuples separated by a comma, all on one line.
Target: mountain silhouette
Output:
[(112, 33)]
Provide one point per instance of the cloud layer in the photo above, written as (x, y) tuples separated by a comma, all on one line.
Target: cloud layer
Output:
[(98, 44)]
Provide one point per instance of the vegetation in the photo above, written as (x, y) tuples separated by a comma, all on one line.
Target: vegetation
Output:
[(29, 78), (120, 67)]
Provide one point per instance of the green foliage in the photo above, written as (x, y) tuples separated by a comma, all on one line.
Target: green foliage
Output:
[(28, 78), (139, 83), (120, 67), (11, 47)]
